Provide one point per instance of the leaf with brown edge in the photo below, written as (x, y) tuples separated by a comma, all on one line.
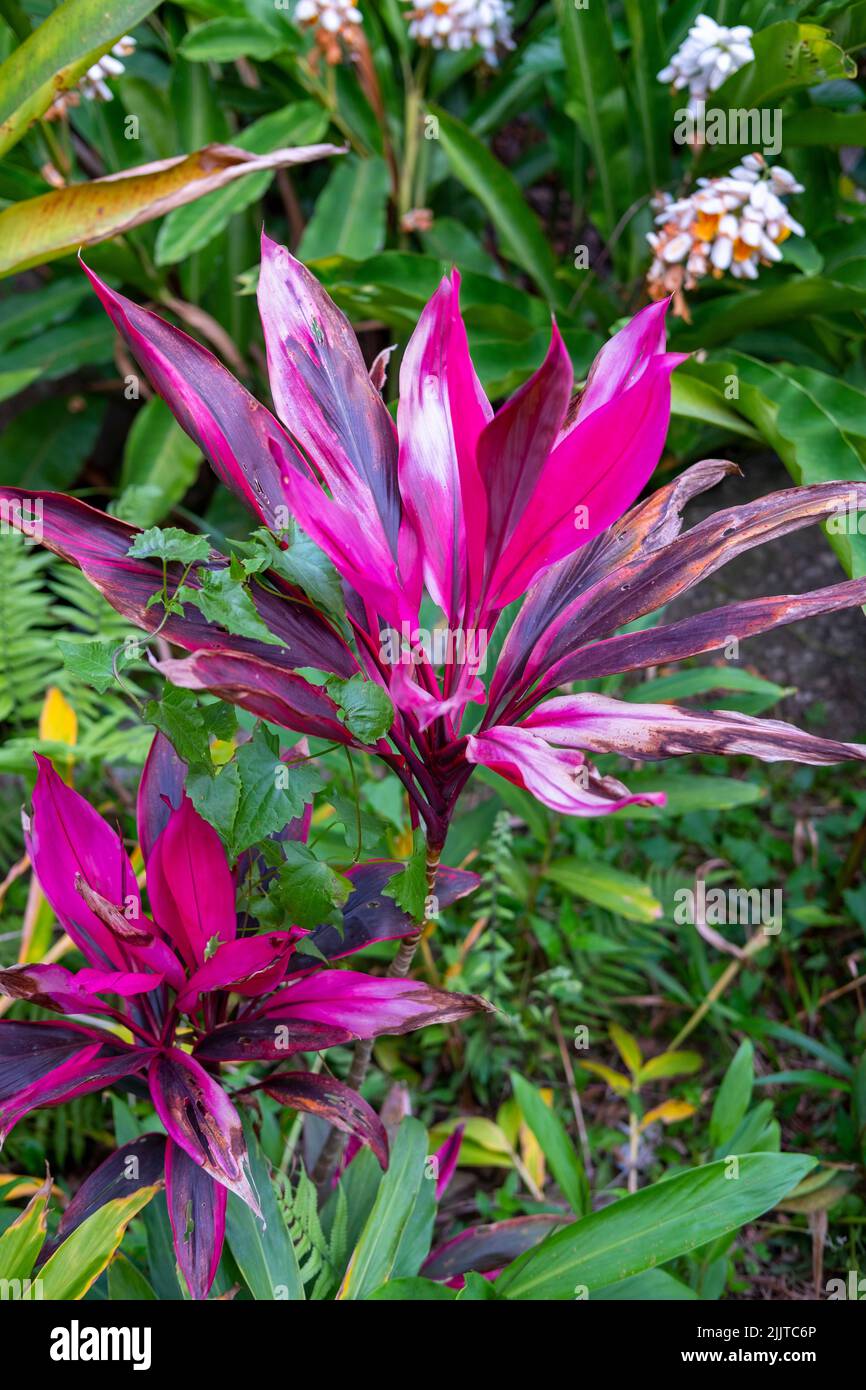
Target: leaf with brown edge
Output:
[(201, 1120), (268, 1040), (57, 223), (333, 1101), (485, 1248)]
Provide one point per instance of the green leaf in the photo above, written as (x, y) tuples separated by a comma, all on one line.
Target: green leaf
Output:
[(160, 464), (21, 1242), (694, 399), (79, 1261), (310, 892), (57, 55), (734, 1095), (302, 563), (596, 100), (224, 40), (653, 1226), (608, 887), (367, 709), (555, 1144), (263, 1249), (170, 544), (408, 888), (225, 599), (375, 1255), (47, 445), (412, 1291), (188, 723), (271, 792), (126, 1283), (93, 662), (788, 56), (349, 216), (499, 192)]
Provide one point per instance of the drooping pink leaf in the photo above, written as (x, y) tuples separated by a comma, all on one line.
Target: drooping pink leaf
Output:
[(91, 1069), (53, 986), (604, 725), (268, 1039), (97, 544), (333, 1101), (366, 1005), (197, 1212), (30, 1051), (532, 639), (201, 1120), (190, 884), (558, 777), (282, 698)]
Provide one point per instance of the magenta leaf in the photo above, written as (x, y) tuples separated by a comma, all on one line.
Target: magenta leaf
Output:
[(201, 1120), (190, 885), (332, 1101), (197, 1212)]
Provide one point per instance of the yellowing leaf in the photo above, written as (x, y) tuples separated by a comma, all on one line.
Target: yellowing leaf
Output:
[(40, 229), (669, 1064), (530, 1150), (668, 1112), (614, 1079), (58, 722), (627, 1047), (79, 1261)]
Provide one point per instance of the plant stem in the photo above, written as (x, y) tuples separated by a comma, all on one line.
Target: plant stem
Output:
[(398, 969)]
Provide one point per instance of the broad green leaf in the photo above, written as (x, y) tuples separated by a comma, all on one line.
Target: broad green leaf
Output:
[(194, 226), (597, 102), (817, 426), (79, 1261), (311, 892), (225, 39), (653, 1226), (349, 216), (653, 1286), (160, 464), (21, 1242), (93, 662), (788, 56), (126, 1283), (263, 1249), (412, 1291), (57, 54), (170, 543), (65, 219), (366, 707), (694, 399), (695, 792), (503, 199), (556, 1146), (271, 791), (733, 1096), (46, 445), (608, 887), (408, 888), (30, 312), (376, 1252)]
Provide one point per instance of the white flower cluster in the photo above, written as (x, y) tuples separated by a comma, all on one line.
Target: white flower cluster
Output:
[(94, 84), (331, 20), (735, 224), (457, 24), (707, 56)]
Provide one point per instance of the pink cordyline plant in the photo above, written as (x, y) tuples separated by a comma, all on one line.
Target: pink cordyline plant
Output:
[(193, 995), (480, 509)]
